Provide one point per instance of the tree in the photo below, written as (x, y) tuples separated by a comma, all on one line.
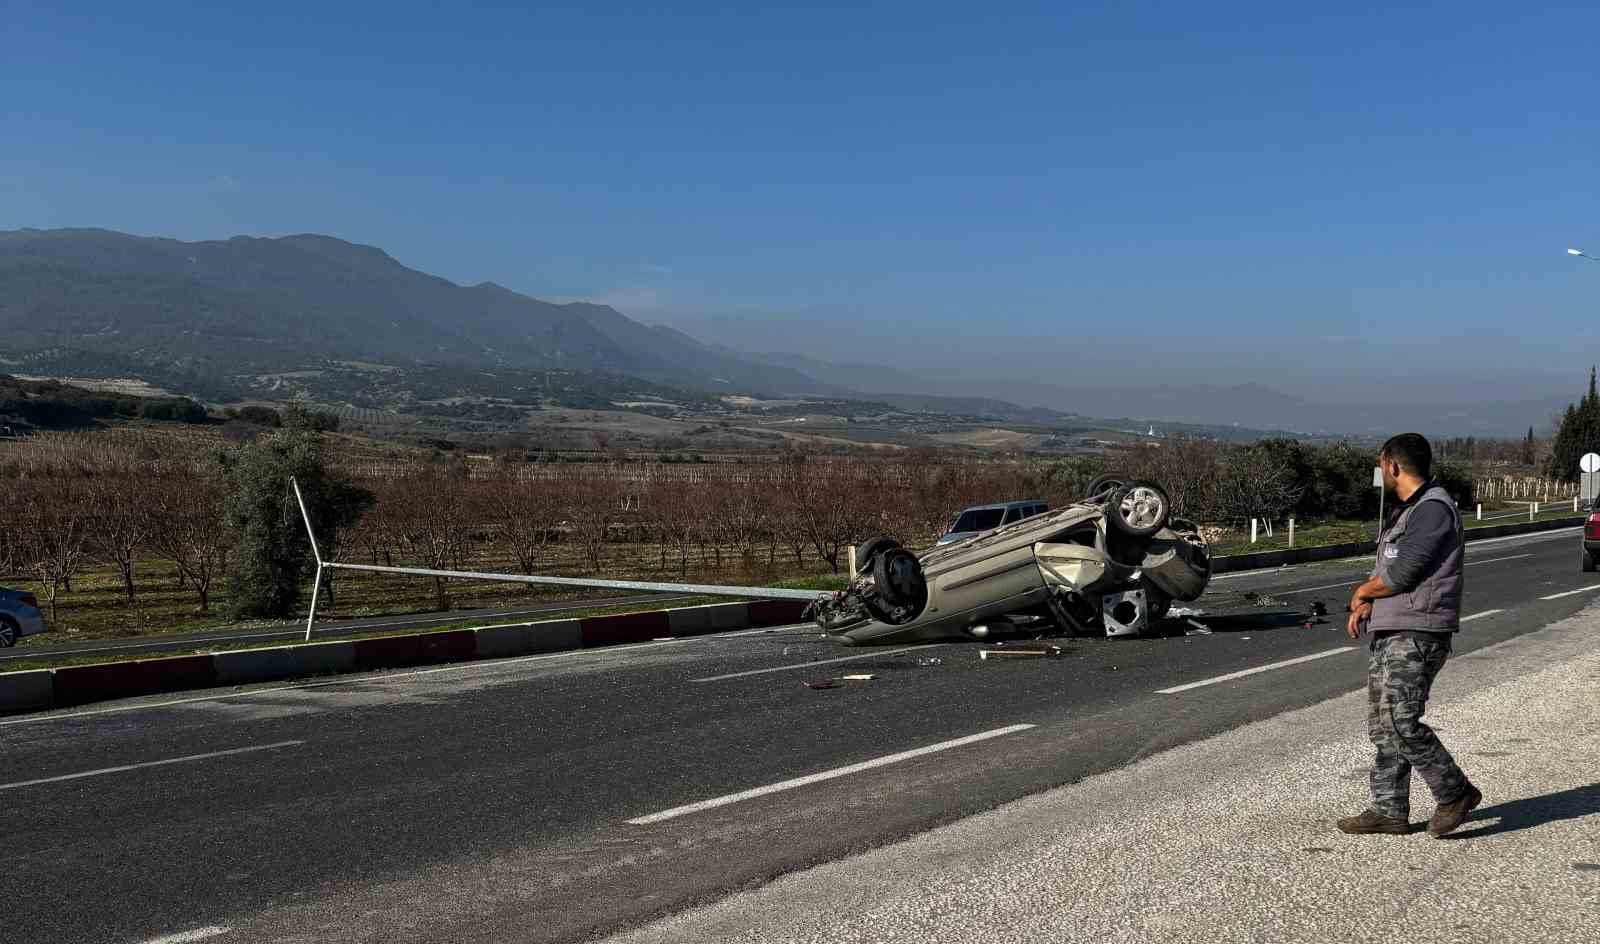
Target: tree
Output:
[(525, 511), (53, 523), (1578, 433), (187, 527), (272, 554), (121, 523), (433, 517)]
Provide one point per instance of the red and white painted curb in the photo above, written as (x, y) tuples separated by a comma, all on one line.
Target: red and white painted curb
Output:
[(40, 689)]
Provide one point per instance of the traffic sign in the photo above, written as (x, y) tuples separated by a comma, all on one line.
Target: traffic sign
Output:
[(1590, 462)]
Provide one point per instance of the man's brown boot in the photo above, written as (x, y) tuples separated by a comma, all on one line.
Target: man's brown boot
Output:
[(1451, 815), (1369, 823)]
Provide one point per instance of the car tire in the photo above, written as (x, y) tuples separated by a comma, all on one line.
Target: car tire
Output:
[(1103, 483), (1588, 563), (10, 632), (1139, 509), (870, 549), (897, 576)]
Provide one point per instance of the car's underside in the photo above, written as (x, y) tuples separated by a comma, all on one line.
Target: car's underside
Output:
[(1113, 563)]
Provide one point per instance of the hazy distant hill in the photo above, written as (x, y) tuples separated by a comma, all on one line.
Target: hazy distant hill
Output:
[(245, 302), (204, 317)]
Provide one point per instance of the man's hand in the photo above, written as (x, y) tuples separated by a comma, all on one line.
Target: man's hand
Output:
[(1359, 614)]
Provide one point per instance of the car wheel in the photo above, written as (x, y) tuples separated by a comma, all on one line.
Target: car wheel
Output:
[(871, 548), (1139, 509), (10, 632), (898, 576), (1101, 484), (1588, 563)]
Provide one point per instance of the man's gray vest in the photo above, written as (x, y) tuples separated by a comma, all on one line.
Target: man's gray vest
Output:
[(1435, 605)]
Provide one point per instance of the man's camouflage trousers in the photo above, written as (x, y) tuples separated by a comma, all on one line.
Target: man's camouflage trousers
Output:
[(1399, 678)]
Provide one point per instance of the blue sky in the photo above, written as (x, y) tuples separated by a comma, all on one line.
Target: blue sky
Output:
[(1246, 187)]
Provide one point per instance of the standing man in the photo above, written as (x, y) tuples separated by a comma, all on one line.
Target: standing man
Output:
[(1412, 607)]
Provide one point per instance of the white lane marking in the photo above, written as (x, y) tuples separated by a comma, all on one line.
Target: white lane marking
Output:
[(1351, 583), (482, 665), (185, 937), (1258, 669), (825, 775), (1478, 616), (807, 665), (1557, 596), (149, 763), (1496, 560), (1331, 586), (1486, 542)]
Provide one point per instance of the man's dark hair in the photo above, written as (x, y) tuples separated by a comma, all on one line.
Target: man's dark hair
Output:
[(1413, 453)]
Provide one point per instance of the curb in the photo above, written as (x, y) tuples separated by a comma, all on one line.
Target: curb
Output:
[(41, 689), (1311, 555)]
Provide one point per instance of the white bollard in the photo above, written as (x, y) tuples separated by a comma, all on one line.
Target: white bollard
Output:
[(851, 560), (1252, 530), (1533, 509), (1291, 532), (1480, 511)]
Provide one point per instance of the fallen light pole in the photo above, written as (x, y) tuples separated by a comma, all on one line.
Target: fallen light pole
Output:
[(643, 586)]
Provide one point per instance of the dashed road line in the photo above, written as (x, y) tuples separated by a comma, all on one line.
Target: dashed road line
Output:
[(151, 763), (1568, 593), (1478, 616), (825, 775), (188, 937), (1255, 671)]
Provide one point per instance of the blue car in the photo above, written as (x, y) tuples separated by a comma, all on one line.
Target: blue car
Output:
[(19, 616)]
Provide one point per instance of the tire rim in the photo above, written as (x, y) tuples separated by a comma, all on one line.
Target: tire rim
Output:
[(8, 636), (1142, 507)]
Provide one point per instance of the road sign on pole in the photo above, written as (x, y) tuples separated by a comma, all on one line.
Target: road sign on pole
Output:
[(1589, 481)]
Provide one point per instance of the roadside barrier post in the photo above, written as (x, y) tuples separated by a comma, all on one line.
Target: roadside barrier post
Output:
[(1291, 532), (1252, 530), (851, 560), (1533, 509), (1480, 511)]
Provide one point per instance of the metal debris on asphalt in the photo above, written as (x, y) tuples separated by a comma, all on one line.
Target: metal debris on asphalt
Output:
[(820, 683), (1049, 652), (1197, 628), (863, 677)]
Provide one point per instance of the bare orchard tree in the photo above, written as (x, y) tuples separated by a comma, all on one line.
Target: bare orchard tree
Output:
[(593, 504), (669, 509), (525, 513), (53, 522), (122, 519), (433, 510), (186, 527), (837, 508), (742, 513)]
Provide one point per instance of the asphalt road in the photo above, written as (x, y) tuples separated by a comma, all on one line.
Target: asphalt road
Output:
[(49, 644), (543, 799)]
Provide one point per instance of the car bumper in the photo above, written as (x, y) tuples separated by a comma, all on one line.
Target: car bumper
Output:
[(31, 624)]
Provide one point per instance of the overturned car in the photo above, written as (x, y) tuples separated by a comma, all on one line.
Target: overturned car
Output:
[(1113, 563)]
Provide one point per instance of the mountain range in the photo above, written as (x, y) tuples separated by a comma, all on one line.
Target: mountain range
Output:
[(248, 305)]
